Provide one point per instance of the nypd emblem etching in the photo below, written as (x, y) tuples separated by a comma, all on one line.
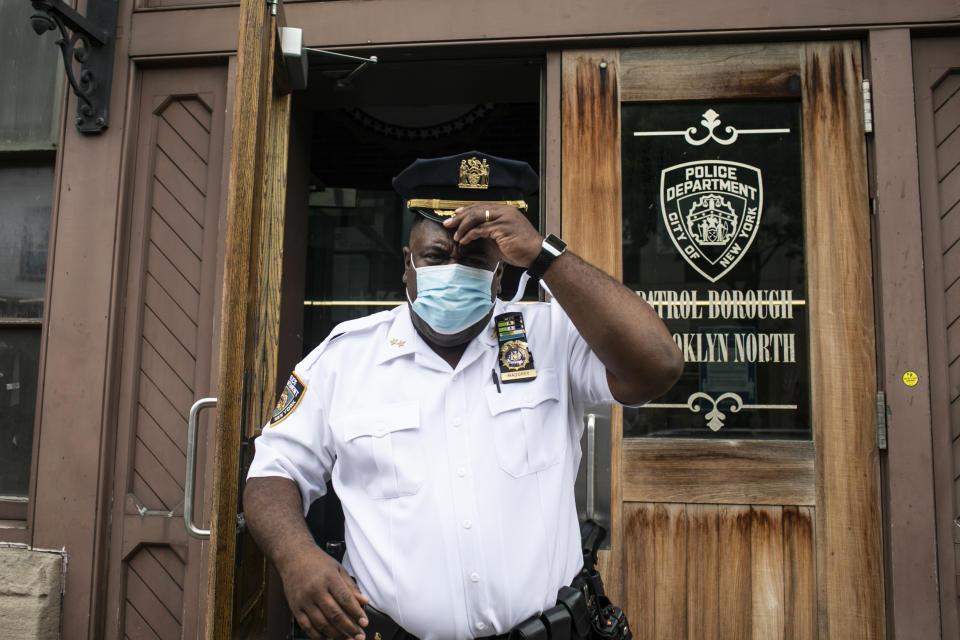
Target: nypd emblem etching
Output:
[(711, 210), (289, 399)]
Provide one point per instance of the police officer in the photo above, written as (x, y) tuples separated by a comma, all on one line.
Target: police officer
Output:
[(450, 426)]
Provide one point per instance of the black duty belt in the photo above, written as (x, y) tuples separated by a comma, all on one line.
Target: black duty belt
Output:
[(568, 620)]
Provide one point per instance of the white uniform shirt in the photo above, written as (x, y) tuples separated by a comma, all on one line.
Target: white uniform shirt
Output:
[(460, 519)]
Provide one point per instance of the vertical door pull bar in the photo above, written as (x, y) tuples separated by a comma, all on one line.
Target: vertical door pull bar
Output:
[(591, 465), (190, 484)]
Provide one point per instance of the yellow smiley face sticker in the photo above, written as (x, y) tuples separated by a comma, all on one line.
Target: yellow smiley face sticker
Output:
[(910, 378)]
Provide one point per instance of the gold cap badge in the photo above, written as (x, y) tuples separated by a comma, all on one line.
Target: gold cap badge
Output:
[(474, 174)]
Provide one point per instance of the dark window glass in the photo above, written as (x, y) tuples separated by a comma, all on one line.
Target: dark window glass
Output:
[(713, 238), (355, 258), (26, 194), (19, 354), (358, 225)]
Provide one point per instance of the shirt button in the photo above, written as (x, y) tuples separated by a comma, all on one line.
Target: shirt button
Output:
[(457, 422), (467, 524), (475, 577), (461, 472), (480, 626)]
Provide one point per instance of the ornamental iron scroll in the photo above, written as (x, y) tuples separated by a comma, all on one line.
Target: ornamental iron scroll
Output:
[(85, 42)]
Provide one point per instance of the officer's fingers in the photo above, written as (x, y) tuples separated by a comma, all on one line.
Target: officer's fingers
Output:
[(306, 624), (349, 599), (465, 219), (339, 623)]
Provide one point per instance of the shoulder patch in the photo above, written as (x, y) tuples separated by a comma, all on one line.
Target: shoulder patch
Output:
[(289, 399)]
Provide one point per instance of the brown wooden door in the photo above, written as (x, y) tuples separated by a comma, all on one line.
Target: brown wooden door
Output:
[(249, 325), (154, 571), (728, 185)]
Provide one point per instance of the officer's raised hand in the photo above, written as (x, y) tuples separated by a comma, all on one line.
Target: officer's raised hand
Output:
[(517, 240), (639, 354)]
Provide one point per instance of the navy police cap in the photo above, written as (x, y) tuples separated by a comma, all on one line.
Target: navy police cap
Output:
[(436, 187)]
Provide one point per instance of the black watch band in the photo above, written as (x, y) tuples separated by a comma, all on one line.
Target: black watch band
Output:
[(550, 250)]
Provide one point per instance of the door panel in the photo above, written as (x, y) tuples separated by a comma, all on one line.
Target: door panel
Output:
[(719, 571), (155, 570), (738, 497)]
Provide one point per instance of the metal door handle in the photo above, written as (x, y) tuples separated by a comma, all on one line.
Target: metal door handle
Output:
[(591, 465), (190, 484)]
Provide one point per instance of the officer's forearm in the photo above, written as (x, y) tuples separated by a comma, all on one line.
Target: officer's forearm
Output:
[(273, 511), (625, 332)]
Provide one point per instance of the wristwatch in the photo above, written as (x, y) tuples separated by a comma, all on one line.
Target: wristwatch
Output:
[(550, 250)]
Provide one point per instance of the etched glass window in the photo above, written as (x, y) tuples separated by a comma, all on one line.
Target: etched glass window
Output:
[(713, 239)]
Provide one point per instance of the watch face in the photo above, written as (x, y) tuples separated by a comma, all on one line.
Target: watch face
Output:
[(555, 243)]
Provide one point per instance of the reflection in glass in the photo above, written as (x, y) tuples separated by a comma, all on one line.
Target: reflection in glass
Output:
[(26, 194), (713, 239), (32, 79)]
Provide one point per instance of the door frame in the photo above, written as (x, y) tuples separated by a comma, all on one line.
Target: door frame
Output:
[(249, 325)]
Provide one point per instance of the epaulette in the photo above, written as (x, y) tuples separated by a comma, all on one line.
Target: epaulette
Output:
[(348, 326)]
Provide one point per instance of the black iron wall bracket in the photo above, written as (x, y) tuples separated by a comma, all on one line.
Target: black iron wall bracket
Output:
[(88, 40)]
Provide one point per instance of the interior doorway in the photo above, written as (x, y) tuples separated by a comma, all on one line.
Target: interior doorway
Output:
[(366, 132), (345, 225)]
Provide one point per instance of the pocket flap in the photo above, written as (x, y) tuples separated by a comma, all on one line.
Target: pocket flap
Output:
[(381, 420), (523, 395)]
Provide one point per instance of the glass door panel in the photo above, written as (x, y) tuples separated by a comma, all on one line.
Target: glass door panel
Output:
[(713, 239)]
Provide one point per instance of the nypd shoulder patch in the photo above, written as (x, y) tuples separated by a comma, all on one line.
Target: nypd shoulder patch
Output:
[(289, 399)]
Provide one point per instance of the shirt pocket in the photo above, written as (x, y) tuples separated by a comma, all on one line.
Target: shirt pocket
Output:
[(383, 449), (529, 429)]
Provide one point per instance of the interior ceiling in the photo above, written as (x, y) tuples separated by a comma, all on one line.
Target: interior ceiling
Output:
[(365, 134)]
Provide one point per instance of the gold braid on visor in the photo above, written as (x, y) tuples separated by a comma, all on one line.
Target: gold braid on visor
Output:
[(446, 207)]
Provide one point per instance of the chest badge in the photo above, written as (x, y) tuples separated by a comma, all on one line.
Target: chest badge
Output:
[(516, 361)]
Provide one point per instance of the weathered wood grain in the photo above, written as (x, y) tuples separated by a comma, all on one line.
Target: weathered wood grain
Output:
[(766, 572), (704, 556), (848, 544), (590, 217), (257, 186), (799, 589), (670, 571), (640, 586), (718, 471), (709, 72), (735, 576)]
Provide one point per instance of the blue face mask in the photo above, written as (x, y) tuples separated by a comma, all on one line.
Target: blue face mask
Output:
[(451, 297)]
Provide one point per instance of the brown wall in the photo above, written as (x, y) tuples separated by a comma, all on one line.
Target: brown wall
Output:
[(360, 23), (75, 435), (79, 380)]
